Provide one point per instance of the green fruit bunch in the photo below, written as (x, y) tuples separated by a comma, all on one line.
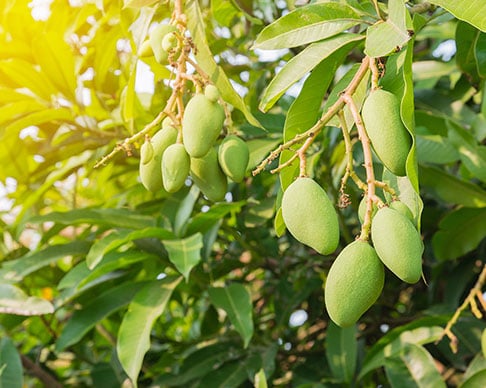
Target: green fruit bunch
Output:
[(389, 138), (310, 216), (354, 283)]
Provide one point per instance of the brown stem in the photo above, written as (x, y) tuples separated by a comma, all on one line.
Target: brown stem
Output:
[(36, 370), (317, 127), (375, 74)]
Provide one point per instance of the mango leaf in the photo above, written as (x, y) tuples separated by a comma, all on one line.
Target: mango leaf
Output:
[(451, 189), (459, 233), (11, 372), (98, 308), (41, 117), (134, 333), (184, 210), (480, 54), (472, 11), (118, 238), (302, 63), (342, 351), (137, 3), (185, 253), (435, 149), (466, 38), (202, 222), (236, 301), (259, 148), (16, 270), (231, 374), (413, 366), (14, 301), (205, 59), (419, 332), (260, 379), (475, 381), (307, 24)]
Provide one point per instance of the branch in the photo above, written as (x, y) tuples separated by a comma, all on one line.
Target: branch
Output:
[(36, 370)]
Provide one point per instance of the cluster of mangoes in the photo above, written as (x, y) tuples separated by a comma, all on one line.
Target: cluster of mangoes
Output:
[(170, 156), (356, 278)]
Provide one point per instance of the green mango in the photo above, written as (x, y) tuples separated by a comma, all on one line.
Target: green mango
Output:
[(145, 50), (400, 207), (233, 157), (201, 125), (398, 244), (175, 167), (208, 176), (362, 209), (151, 171), (310, 216), (155, 38), (389, 137), (212, 93), (354, 283)]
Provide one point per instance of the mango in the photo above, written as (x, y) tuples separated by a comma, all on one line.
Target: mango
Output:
[(354, 283), (201, 125), (389, 137), (155, 39), (398, 244), (167, 122), (146, 152), (400, 207), (151, 172), (145, 50), (169, 42), (212, 93), (362, 209), (233, 157), (310, 216), (208, 176), (175, 167)]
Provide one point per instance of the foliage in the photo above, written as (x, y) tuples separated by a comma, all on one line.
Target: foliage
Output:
[(104, 283)]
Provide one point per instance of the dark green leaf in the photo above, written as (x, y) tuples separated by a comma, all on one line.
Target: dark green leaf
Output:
[(236, 301), (475, 381), (185, 253), (342, 351), (11, 373)]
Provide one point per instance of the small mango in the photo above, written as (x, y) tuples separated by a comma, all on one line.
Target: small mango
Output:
[(208, 176), (151, 171), (398, 244), (400, 207), (354, 283), (362, 209), (201, 125), (155, 38), (233, 157), (389, 137), (310, 216), (212, 93), (175, 167)]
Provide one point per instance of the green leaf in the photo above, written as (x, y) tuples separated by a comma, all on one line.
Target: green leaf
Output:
[(451, 189), (459, 233), (471, 11), (14, 301), (98, 308), (475, 381), (307, 24), (185, 253), (16, 270), (413, 366), (260, 379), (435, 149), (118, 238), (302, 63), (279, 224), (341, 351), (260, 148), (11, 372), (480, 54), (202, 222), (466, 37), (184, 210), (134, 333), (236, 301), (418, 332), (384, 38), (137, 3), (204, 56)]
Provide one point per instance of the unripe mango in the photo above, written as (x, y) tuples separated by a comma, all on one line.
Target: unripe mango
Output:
[(169, 42), (151, 172), (403, 209), (233, 157), (212, 93), (145, 50), (155, 39), (389, 137), (362, 209), (201, 125), (208, 176), (146, 152), (398, 244), (354, 283), (310, 216), (175, 167)]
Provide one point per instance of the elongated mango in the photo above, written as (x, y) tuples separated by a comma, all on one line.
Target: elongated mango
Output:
[(400, 207), (362, 209), (150, 165), (202, 122), (354, 283), (155, 38), (233, 157), (310, 216), (209, 177), (389, 138), (175, 167), (398, 244)]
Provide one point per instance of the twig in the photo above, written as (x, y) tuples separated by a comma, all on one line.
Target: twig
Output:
[(36, 370), (469, 301), (325, 118)]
